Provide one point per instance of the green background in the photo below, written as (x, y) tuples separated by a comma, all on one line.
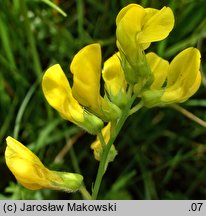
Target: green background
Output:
[(161, 153)]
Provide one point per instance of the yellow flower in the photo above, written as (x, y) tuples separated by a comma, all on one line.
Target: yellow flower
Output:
[(115, 83), (96, 146), (137, 27), (86, 69), (58, 93), (32, 174), (182, 77)]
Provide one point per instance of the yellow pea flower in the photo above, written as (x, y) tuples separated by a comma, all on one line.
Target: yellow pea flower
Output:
[(58, 93), (86, 70), (182, 77), (32, 174), (115, 83), (96, 146), (137, 27)]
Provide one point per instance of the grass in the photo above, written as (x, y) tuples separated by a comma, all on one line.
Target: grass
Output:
[(161, 153)]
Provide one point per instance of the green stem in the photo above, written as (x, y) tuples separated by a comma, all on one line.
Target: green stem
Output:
[(103, 162), (136, 108), (101, 138), (85, 194)]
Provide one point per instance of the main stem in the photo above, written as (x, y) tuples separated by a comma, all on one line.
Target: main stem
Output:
[(103, 162)]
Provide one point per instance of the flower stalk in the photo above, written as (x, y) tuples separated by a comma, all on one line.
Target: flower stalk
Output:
[(103, 162)]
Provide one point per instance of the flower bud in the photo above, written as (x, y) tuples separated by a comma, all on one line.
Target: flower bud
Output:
[(136, 71), (115, 83), (96, 146)]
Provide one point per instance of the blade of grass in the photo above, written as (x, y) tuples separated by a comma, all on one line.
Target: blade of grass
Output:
[(55, 7), (31, 39), (80, 17), (6, 43), (22, 110), (189, 114), (6, 124)]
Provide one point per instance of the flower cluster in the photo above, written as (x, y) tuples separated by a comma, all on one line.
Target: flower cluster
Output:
[(128, 74), (155, 81)]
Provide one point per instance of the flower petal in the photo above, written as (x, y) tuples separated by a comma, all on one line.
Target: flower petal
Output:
[(58, 93), (124, 10), (184, 76), (86, 68), (114, 79), (18, 159), (159, 68), (157, 26), (128, 28)]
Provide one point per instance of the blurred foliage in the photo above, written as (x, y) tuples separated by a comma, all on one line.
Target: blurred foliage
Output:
[(161, 153)]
